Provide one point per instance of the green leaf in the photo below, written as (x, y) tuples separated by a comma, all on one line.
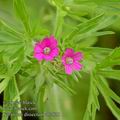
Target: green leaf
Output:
[(58, 3), (16, 93), (97, 50), (25, 87), (9, 41), (92, 56), (40, 101), (108, 7), (4, 84), (93, 103), (86, 41), (109, 91), (114, 74), (84, 27), (58, 80), (16, 65), (78, 18), (1, 109), (38, 32), (91, 34), (39, 81), (64, 86), (114, 109), (9, 29), (11, 62), (90, 28), (105, 22), (9, 37), (40, 89), (114, 96), (21, 12), (104, 33), (10, 92), (108, 94), (59, 23), (79, 10), (112, 59), (3, 70)]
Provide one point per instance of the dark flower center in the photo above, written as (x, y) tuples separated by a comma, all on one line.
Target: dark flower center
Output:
[(46, 50), (69, 60)]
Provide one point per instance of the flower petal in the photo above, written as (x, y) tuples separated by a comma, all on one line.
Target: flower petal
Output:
[(68, 69), (54, 52), (48, 57), (69, 52), (53, 42), (78, 56), (45, 43), (38, 56), (37, 49), (77, 66)]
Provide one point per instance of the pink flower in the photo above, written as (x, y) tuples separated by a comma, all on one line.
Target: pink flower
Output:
[(46, 49), (70, 60)]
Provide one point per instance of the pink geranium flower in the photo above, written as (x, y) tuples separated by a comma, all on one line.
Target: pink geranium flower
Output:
[(46, 49), (70, 60)]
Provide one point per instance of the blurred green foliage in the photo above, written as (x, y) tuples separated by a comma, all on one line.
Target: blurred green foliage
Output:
[(80, 24)]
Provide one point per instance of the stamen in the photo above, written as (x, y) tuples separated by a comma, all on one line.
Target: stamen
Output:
[(46, 50), (69, 60)]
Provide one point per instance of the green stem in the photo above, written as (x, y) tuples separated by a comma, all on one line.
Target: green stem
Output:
[(9, 93), (59, 23)]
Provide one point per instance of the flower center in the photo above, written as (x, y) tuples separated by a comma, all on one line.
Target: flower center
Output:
[(69, 60), (46, 50)]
